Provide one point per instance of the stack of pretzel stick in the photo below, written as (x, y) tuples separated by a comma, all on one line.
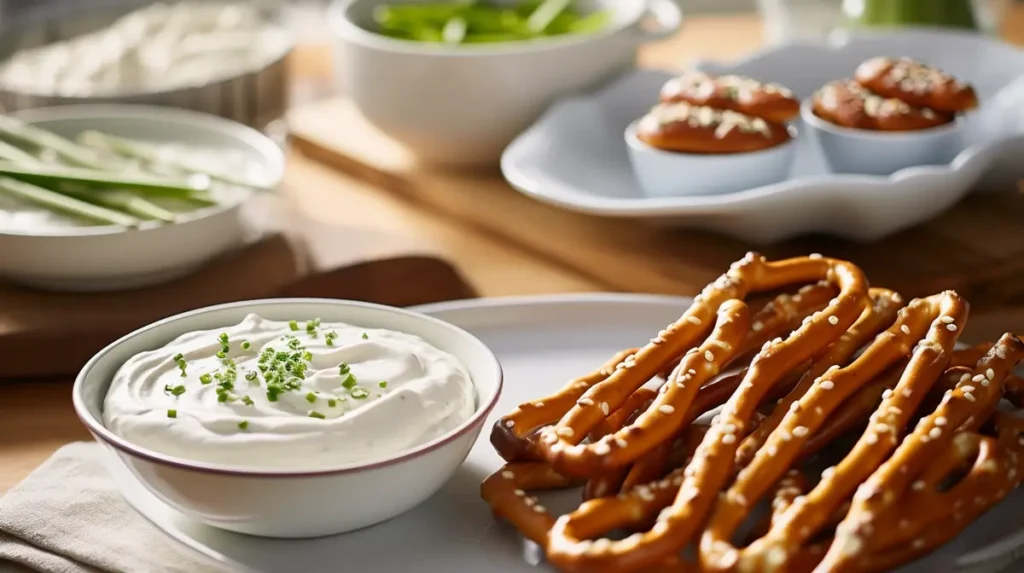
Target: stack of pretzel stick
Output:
[(918, 431)]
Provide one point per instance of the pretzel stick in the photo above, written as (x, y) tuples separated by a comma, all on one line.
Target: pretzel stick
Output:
[(712, 465), (505, 491), (776, 318), (825, 396), (893, 478), (561, 444), (512, 434), (612, 482), (880, 314)]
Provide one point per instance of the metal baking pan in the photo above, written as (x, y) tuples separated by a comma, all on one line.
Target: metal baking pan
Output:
[(256, 98)]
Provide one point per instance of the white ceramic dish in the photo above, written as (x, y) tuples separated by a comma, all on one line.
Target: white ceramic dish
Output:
[(462, 105), (669, 174), (294, 503), (881, 153), (110, 257), (541, 342), (590, 172)]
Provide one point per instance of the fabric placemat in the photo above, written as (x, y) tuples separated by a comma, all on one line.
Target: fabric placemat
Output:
[(68, 517)]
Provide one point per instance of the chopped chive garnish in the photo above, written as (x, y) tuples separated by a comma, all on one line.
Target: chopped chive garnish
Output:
[(251, 376), (223, 338), (315, 414), (179, 357), (206, 378), (294, 344), (172, 413), (344, 368), (330, 342), (332, 402), (293, 325), (246, 345), (349, 382), (365, 337), (311, 397), (243, 424), (383, 384), (247, 401), (316, 322), (359, 393), (221, 354)]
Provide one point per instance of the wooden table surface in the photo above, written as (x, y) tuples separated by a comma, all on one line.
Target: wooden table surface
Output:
[(37, 418)]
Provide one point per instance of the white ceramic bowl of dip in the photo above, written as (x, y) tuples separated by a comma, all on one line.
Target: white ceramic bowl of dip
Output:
[(462, 105), (104, 257), (867, 152), (663, 173), (294, 503)]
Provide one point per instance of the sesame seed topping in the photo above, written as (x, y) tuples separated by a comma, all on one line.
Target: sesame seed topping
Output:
[(729, 439), (918, 485), (977, 378), (519, 492), (771, 450), (887, 394), (827, 385), (967, 388), (918, 543), (784, 435), (833, 320), (757, 326), (946, 319), (968, 396), (828, 472), (507, 474), (621, 443), (871, 438), (935, 433), (965, 377), (940, 421), (564, 431), (666, 409), (814, 256), (585, 402), (800, 431), (951, 327), (693, 320), (602, 448), (604, 408), (907, 392), (709, 356), (990, 374), (985, 383), (538, 404), (905, 329), (539, 508)]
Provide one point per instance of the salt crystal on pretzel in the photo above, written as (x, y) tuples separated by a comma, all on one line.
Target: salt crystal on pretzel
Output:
[(896, 477), (561, 445), (942, 317)]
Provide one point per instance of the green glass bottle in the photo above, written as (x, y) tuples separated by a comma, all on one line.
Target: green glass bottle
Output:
[(894, 13)]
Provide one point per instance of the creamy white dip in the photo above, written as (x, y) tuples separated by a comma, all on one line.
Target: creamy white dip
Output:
[(364, 394), (160, 47)]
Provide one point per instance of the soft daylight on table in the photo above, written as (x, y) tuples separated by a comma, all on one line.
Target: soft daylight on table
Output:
[(472, 286)]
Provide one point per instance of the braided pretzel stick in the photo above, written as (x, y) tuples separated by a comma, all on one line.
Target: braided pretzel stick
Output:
[(561, 444), (776, 318), (513, 435), (712, 465), (505, 490), (876, 317), (802, 520), (890, 482)]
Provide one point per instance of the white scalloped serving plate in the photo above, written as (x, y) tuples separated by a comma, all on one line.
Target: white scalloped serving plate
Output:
[(575, 157)]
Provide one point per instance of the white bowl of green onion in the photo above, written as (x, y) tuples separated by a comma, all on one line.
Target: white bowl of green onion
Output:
[(456, 80), (103, 197)]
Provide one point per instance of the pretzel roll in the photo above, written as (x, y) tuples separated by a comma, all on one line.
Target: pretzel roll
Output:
[(917, 84), (848, 104), (688, 128), (768, 101)]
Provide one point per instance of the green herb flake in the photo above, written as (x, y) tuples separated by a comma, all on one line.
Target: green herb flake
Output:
[(315, 414), (359, 393), (251, 376), (244, 424), (349, 382), (365, 336), (247, 401), (311, 397), (246, 345), (221, 354), (179, 357), (294, 325), (344, 368), (206, 378), (174, 390), (172, 413), (383, 384), (332, 402)]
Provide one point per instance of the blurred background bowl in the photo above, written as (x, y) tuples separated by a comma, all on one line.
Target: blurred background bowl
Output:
[(254, 97), (462, 105)]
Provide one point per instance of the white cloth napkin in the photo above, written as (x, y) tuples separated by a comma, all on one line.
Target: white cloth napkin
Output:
[(67, 517)]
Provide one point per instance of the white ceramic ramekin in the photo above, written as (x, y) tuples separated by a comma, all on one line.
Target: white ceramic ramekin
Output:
[(868, 152), (294, 503), (672, 174), (461, 105)]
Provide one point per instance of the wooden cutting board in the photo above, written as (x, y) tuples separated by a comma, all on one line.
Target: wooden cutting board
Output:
[(52, 334), (976, 248)]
